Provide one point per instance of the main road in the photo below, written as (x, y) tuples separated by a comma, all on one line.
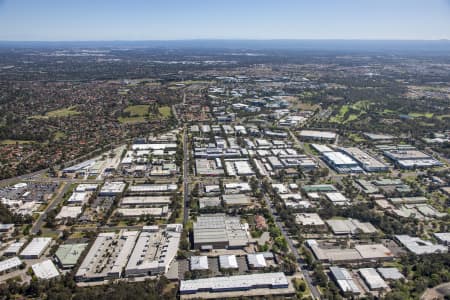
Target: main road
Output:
[(302, 264), (185, 177), (52, 205)]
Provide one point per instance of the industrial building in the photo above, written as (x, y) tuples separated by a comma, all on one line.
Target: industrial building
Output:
[(337, 198), (236, 200), (142, 211), (198, 263), (145, 201), (411, 158), (219, 231), (13, 249), (310, 220), (350, 226), (154, 251), (345, 281), (69, 212), (79, 198), (443, 237), (235, 283), (390, 273), (45, 270), (256, 261), (228, 262), (107, 256), (36, 248), (373, 279), (208, 167), (148, 189), (112, 188), (67, 255), (317, 135), (235, 167), (341, 163), (367, 162), (205, 202), (9, 264), (358, 254), (418, 246)]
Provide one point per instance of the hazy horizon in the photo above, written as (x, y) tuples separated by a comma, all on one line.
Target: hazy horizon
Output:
[(141, 20)]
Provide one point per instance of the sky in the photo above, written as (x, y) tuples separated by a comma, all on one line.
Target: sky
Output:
[(101, 20)]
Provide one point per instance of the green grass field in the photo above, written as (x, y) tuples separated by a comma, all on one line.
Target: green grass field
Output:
[(137, 110), (59, 113), (165, 111), (419, 115), (13, 142)]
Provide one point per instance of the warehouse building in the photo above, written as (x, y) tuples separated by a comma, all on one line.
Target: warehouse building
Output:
[(358, 254), (107, 256), (208, 167), (236, 200), (390, 273), (154, 251), (198, 263), (235, 283), (317, 135), (149, 189), (145, 201), (68, 255), (256, 261), (443, 237), (345, 281), (367, 162), (79, 198), (418, 246), (373, 279), (143, 211), (13, 249), (205, 202), (228, 262), (411, 158), (341, 163), (69, 212), (9, 264), (337, 198), (219, 231), (45, 270), (36, 248), (112, 188), (350, 226), (310, 220)]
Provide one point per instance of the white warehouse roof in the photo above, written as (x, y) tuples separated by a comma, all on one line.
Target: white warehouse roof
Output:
[(45, 270)]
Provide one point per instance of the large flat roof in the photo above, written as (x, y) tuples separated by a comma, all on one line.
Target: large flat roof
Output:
[(45, 270), (240, 282)]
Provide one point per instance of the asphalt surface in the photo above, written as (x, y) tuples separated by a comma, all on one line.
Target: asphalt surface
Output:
[(302, 265), (54, 203), (185, 177)]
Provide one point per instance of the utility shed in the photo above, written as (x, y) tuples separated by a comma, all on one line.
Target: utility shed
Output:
[(45, 270), (36, 248), (373, 279)]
